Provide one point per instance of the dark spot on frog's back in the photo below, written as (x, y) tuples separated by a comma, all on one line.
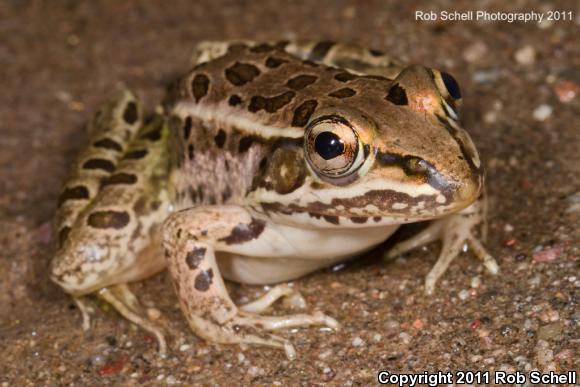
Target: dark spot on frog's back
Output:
[(376, 52), (130, 115), (136, 154), (272, 62), (343, 93), (234, 100), (345, 76), (103, 164), (270, 104), (241, 73), (303, 112), (199, 86), (246, 143), (190, 150), (261, 48), (194, 257), (203, 280), (109, 219), (301, 81), (320, 50), (120, 178), (397, 95), (107, 143), (187, 128), (152, 135), (220, 138), (73, 193), (245, 232)]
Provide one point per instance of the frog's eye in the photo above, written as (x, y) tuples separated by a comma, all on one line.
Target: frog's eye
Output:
[(451, 85), (450, 91), (447, 85), (332, 147)]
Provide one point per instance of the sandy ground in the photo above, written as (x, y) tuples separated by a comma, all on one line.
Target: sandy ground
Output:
[(60, 59)]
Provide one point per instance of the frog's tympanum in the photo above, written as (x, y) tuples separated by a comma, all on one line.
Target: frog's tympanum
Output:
[(267, 162)]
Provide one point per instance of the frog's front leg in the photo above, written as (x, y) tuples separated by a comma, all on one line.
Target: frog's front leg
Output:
[(454, 231), (191, 238)]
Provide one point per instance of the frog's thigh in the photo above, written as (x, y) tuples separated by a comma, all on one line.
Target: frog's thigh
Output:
[(190, 239)]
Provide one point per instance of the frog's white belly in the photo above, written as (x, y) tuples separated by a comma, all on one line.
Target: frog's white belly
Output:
[(299, 252)]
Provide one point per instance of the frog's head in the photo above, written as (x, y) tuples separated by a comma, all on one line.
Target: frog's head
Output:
[(396, 152)]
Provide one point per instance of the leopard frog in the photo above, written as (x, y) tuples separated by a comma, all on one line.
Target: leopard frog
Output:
[(265, 163)]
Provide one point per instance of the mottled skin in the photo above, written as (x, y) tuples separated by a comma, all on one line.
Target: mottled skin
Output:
[(270, 161)]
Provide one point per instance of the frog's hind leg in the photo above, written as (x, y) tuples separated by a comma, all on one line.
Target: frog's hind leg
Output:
[(111, 130), (111, 230), (454, 231), (355, 58), (190, 238)]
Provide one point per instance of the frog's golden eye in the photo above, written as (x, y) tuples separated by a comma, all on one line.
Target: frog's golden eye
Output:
[(449, 89), (332, 147)]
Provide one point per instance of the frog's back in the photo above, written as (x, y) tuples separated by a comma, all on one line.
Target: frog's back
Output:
[(231, 112)]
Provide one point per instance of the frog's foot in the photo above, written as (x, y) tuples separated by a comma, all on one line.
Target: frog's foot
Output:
[(85, 312), (454, 231), (291, 297), (190, 237), (124, 301)]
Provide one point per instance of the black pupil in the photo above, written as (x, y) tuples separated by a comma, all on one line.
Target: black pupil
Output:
[(328, 145), (451, 85)]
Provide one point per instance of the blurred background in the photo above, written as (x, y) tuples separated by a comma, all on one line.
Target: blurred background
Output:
[(61, 59)]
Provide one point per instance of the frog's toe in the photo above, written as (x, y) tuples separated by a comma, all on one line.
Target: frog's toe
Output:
[(292, 298), (249, 328), (272, 323), (456, 233), (430, 234), (125, 302)]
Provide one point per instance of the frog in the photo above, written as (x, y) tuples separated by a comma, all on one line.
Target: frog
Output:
[(266, 162)]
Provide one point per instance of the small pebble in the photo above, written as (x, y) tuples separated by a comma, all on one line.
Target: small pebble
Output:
[(418, 324), (548, 255), (544, 355), (153, 314), (475, 282), (484, 77), (550, 331), (405, 337), (254, 371), (549, 316), (184, 347), (475, 52), (542, 112), (526, 55), (508, 227), (325, 354), (490, 117), (328, 374), (566, 91), (463, 295), (357, 342), (377, 337)]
